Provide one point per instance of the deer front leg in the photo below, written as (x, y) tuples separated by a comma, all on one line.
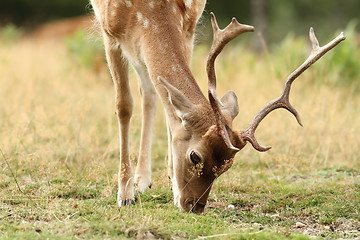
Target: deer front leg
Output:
[(148, 105), (124, 105)]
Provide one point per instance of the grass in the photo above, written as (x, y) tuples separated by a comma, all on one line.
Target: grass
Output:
[(58, 134)]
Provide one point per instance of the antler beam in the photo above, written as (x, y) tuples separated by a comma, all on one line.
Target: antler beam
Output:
[(221, 38), (283, 101)]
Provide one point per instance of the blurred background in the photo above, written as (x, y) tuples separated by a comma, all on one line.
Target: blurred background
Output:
[(278, 23), (274, 18)]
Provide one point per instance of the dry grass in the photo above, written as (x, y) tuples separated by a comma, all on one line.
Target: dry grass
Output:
[(57, 126)]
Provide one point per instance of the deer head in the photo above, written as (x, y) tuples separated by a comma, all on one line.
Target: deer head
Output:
[(204, 142)]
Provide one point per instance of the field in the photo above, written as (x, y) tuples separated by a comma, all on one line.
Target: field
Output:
[(59, 148)]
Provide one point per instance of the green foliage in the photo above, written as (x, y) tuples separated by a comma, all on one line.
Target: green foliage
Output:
[(340, 67), (298, 16), (345, 61), (9, 34), (288, 53), (85, 50)]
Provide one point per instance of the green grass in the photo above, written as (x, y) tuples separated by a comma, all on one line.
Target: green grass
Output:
[(58, 133), (62, 209)]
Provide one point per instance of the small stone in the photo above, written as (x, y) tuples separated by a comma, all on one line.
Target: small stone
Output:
[(146, 236), (258, 226), (299, 225), (309, 231), (149, 235), (230, 206), (327, 228)]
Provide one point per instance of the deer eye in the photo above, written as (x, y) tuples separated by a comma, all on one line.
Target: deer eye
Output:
[(195, 159)]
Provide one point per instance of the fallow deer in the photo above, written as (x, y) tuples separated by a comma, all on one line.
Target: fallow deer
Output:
[(156, 37)]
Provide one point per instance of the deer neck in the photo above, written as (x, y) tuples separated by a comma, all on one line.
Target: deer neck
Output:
[(166, 53)]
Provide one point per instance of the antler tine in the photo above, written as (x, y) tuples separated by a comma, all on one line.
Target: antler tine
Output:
[(221, 38), (283, 101)]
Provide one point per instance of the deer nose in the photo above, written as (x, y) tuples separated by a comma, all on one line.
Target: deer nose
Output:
[(194, 207), (198, 208)]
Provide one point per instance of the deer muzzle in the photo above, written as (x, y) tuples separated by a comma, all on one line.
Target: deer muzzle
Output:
[(194, 206)]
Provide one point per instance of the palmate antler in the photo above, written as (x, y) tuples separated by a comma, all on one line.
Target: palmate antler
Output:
[(221, 38)]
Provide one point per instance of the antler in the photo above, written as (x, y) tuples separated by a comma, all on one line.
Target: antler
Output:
[(221, 38), (283, 101)]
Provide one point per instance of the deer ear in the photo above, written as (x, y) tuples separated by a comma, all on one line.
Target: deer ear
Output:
[(182, 105), (193, 8), (230, 104)]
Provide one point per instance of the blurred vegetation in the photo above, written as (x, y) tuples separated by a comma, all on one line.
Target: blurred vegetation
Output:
[(341, 67), (10, 34), (84, 49), (286, 24), (284, 31), (347, 58), (281, 16), (31, 12)]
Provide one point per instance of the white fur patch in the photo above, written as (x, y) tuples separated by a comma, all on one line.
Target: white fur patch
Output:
[(188, 3), (146, 22), (175, 185), (176, 68), (128, 3), (139, 16)]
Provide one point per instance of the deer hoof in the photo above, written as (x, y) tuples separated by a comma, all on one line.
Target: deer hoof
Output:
[(142, 184), (139, 189), (126, 202)]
